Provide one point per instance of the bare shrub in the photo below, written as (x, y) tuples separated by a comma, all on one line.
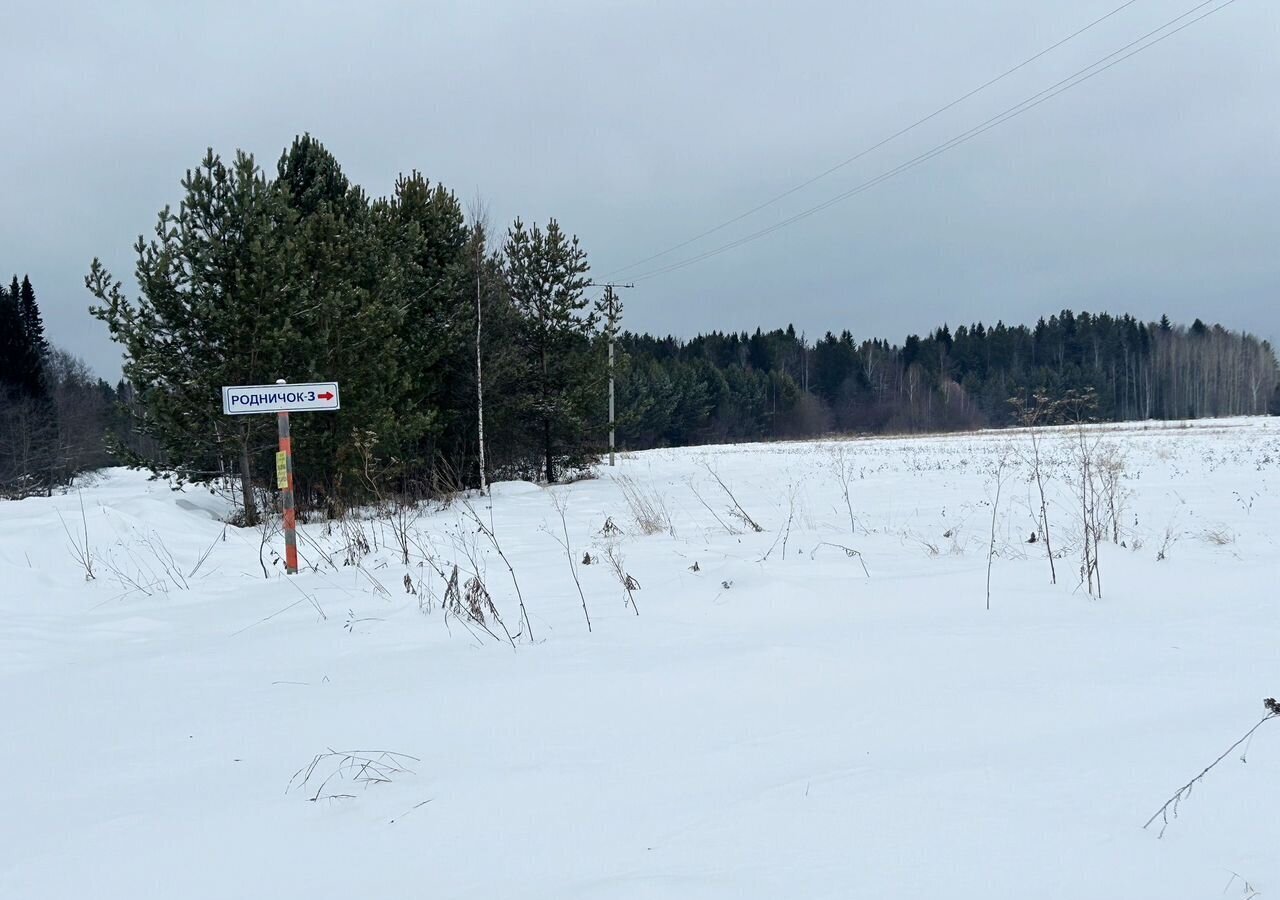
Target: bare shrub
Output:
[(648, 506), (153, 568), (1111, 465), (356, 540), (1219, 537), (1171, 537), (403, 518), (478, 600), (453, 602), (81, 552), (474, 597), (629, 584), (785, 534), (490, 534), (1079, 408), (1032, 416)]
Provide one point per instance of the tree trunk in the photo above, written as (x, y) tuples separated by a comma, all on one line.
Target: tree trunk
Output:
[(246, 485), (546, 419), (484, 488), (546, 445)]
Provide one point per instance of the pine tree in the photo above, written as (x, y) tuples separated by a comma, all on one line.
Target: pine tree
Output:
[(209, 315), (424, 229), (345, 298), (546, 277)]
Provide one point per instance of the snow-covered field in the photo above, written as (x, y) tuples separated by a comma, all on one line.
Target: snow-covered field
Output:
[(775, 723)]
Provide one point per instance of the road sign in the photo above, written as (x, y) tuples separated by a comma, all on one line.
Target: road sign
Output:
[(282, 398), (276, 398)]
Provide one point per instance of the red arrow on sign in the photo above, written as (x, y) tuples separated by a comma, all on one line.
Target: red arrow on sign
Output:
[(325, 396)]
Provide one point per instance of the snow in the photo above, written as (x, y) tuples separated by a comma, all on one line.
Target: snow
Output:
[(808, 731)]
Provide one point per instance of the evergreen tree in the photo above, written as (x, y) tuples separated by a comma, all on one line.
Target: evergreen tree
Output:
[(32, 323), (343, 297), (425, 228), (13, 352), (210, 314), (23, 349), (546, 276)]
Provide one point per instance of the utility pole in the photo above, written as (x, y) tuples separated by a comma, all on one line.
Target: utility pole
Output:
[(611, 307)]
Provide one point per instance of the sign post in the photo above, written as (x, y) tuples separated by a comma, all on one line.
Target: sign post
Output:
[(282, 398), (286, 493)]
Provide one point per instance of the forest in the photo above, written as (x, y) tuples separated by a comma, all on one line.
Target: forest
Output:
[(55, 415), (779, 385), (469, 352)]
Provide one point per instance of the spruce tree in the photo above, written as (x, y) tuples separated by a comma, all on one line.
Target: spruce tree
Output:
[(32, 323), (36, 348), (13, 345), (23, 350)]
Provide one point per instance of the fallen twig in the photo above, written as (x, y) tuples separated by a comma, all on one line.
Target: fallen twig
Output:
[(1170, 807)]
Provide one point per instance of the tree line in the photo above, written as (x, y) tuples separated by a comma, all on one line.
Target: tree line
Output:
[(777, 384), (54, 414), (466, 352)]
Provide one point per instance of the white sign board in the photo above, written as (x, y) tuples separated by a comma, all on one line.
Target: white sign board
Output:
[(276, 398)]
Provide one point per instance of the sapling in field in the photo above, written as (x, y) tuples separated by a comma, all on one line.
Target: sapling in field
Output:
[(999, 477), (736, 509), (1111, 466), (842, 463), (1033, 416), (560, 505), (1079, 408), (629, 584), (728, 529), (785, 534)]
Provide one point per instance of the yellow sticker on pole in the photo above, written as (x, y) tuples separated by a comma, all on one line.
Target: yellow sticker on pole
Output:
[(282, 470)]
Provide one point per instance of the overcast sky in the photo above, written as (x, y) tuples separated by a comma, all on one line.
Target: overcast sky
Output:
[(1152, 188)]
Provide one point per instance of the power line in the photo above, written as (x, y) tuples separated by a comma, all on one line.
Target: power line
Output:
[(859, 155), (1012, 112)]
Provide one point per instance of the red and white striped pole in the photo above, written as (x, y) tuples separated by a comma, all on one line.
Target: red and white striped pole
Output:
[(284, 480)]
